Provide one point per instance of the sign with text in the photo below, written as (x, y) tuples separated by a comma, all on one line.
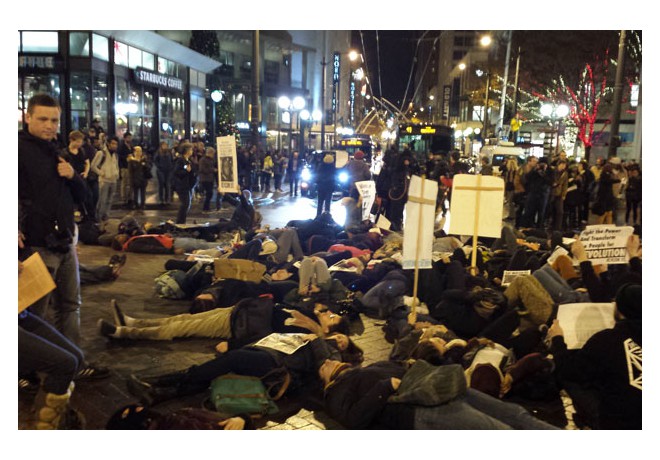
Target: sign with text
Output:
[(606, 244), (150, 78), (476, 205), (510, 275), (582, 320), (227, 165), (420, 223), (446, 98), (367, 190)]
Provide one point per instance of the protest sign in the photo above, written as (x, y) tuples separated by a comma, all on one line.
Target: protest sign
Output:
[(580, 321), (367, 190), (34, 281), (419, 223), (509, 275), (227, 165), (477, 203), (288, 342), (383, 222), (606, 244)]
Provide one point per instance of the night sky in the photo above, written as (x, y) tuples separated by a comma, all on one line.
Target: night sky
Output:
[(397, 50)]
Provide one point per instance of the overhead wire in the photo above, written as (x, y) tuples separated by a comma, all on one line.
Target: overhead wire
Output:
[(368, 82), (380, 88), (412, 68)]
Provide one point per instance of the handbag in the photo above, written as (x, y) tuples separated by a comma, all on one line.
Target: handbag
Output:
[(233, 394)]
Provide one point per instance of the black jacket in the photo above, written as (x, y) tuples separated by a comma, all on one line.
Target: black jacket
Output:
[(358, 398), (610, 364), (46, 201)]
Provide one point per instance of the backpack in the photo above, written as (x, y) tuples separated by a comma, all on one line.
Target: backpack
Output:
[(169, 284), (233, 394), (251, 318)]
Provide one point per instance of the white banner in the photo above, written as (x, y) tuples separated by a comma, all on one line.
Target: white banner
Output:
[(227, 164), (419, 224), (466, 189), (606, 244), (367, 190)]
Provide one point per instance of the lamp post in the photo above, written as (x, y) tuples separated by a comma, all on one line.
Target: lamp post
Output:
[(290, 106), (216, 96), (556, 113), (485, 41)]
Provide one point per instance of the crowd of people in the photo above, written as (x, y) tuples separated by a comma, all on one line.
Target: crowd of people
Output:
[(467, 353)]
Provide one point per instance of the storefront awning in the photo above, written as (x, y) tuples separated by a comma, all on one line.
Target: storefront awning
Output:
[(163, 47)]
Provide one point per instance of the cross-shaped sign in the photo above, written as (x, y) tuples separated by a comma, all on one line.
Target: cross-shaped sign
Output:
[(476, 208)]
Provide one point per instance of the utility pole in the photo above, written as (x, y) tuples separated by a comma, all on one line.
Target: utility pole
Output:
[(618, 92), (323, 115), (515, 85), (500, 121), (255, 119)]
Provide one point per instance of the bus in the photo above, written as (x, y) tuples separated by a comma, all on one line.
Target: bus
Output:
[(422, 138), (353, 143)]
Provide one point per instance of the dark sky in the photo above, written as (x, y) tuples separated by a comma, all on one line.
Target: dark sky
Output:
[(397, 50)]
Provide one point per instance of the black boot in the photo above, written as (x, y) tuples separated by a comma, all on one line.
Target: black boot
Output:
[(149, 394)]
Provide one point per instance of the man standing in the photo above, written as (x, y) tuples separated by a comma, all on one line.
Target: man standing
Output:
[(123, 151), (164, 161), (48, 190), (105, 165)]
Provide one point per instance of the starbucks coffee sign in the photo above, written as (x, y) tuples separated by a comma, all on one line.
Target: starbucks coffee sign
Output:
[(168, 82)]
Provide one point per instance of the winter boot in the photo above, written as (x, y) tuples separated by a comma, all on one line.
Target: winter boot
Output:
[(52, 411)]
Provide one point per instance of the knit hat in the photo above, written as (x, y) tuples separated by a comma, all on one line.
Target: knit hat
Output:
[(487, 379), (615, 160), (328, 159), (629, 301), (359, 155), (247, 194)]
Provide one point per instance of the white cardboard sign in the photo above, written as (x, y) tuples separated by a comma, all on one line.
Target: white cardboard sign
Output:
[(227, 164), (419, 223), (606, 244), (367, 190), (464, 212)]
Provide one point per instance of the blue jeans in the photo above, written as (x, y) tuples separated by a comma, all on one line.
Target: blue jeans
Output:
[(560, 291), (65, 305), (43, 349), (106, 194)]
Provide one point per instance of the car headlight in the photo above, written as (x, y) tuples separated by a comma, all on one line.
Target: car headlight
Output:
[(306, 174), (343, 177)]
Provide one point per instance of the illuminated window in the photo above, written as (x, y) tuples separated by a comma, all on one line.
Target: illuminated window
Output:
[(40, 42), (100, 47)]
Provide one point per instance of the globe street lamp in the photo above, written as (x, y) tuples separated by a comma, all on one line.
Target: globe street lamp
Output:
[(216, 96), (290, 106)]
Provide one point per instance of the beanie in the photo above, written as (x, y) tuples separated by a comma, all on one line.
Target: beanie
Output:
[(487, 379), (629, 301), (328, 159), (359, 155)]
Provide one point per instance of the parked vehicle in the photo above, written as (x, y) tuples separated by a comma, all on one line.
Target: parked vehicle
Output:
[(500, 153)]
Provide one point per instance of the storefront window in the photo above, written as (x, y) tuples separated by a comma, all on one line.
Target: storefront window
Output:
[(100, 47), (134, 57), (172, 117), (30, 85), (79, 44), (100, 95), (40, 42), (148, 60), (121, 54), (79, 93), (198, 114)]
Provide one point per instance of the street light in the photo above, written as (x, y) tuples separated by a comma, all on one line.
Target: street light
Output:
[(290, 106), (555, 113), (216, 96)]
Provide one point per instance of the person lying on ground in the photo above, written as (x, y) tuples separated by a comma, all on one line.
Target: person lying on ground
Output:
[(386, 395)]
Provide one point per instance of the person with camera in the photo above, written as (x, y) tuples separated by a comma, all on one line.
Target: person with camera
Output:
[(48, 191)]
